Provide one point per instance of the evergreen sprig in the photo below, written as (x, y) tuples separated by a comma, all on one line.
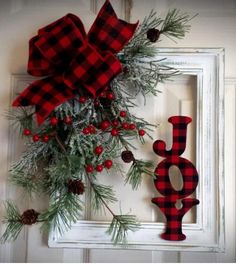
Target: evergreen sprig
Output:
[(63, 211), (120, 226), (26, 181), (118, 229), (137, 169), (101, 196), (13, 221), (21, 118), (176, 24)]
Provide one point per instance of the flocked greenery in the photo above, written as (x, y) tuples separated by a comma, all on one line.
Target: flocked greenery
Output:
[(45, 167)]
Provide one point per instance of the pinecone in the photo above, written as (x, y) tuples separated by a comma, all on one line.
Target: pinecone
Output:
[(127, 156), (29, 217), (153, 35), (76, 187)]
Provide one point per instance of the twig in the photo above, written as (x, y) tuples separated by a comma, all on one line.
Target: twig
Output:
[(105, 204), (60, 143)]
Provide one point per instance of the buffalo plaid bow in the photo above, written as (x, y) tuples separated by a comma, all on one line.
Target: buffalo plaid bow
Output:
[(72, 60)]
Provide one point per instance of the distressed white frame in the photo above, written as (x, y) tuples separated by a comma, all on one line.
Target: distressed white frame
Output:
[(207, 234)]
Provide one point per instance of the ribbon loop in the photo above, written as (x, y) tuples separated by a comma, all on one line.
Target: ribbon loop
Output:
[(108, 33), (61, 42), (92, 70)]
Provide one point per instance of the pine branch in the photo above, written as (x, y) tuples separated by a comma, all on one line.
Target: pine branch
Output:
[(27, 181), (120, 226), (21, 118), (176, 24), (33, 156), (101, 196), (63, 211), (138, 168), (14, 224)]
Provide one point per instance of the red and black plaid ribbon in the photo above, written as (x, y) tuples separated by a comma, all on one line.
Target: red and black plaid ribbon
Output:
[(167, 203), (73, 61)]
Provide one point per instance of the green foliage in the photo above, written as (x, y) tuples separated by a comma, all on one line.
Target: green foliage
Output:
[(21, 118), (60, 171), (33, 157), (139, 56), (13, 220), (120, 226), (101, 196), (64, 210), (27, 181), (176, 24), (138, 168)]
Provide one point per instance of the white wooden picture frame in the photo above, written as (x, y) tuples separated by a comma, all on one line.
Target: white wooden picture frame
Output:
[(207, 233)]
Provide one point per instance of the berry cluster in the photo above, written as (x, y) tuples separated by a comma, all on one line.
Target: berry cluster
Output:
[(99, 168), (117, 125), (107, 95), (67, 120), (104, 97), (36, 137)]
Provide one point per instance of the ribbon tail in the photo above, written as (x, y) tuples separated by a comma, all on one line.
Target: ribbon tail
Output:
[(46, 95)]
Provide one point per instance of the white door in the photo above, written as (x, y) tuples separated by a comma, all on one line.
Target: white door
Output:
[(214, 27)]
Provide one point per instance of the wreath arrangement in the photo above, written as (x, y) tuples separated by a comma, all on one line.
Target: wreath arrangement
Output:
[(77, 121)]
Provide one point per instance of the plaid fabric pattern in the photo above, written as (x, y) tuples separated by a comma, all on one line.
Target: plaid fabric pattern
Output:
[(174, 216), (179, 137), (45, 94), (92, 70), (167, 204), (108, 33), (72, 60)]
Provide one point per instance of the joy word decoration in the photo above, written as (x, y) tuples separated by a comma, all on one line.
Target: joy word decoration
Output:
[(167, 204), (73, 61)]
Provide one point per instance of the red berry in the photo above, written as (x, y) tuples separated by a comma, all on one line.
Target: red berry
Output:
[(96, 103), (82, 99), (54, 121), (45, 138), (125, 125), (141, 132), (102, 94), (105, 125), (108, 163), (114, 132), (132, 126), (98, 150), (89, 168), (110, 96), (27, 132), (115, 123), (36, 138), (68, 120), (123, 113), (86, 131), (99, 168), (92, 129)]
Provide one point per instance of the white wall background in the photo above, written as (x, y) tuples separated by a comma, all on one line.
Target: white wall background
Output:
[(214, 27)]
